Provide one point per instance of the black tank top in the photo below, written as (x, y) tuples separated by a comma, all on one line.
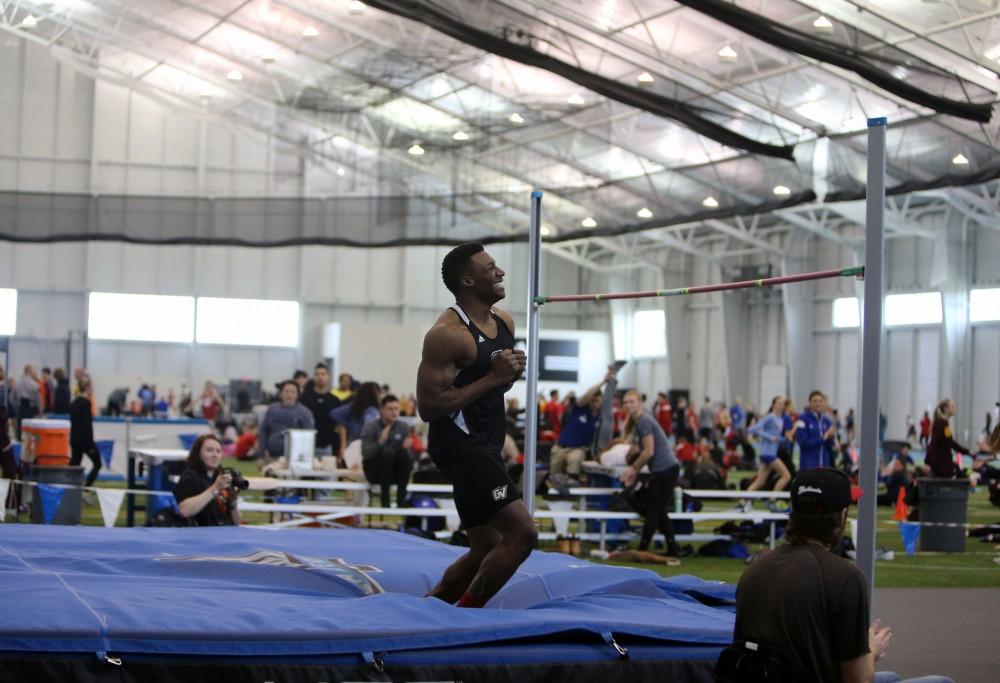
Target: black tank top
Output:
[(484, 419)]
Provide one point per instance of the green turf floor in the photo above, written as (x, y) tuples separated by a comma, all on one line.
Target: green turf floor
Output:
[(973, 568)]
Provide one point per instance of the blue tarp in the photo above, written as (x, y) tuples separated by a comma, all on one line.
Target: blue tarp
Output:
[(258, 592)]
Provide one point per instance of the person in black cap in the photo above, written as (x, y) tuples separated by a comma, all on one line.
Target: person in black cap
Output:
[(803, 610)]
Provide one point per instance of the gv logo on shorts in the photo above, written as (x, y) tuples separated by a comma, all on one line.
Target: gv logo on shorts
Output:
[(499, 493)]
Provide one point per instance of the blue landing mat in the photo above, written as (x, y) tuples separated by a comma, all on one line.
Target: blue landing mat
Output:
[(314, 592)]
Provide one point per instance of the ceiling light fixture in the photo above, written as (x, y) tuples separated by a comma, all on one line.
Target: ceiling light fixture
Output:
[(29, 22), (823, 25), (206, 92), (727, 54), (644, 213), (416, 150), (234, 75), (645, 78), (516, 118), (341, 171), (267, 57), (310, 32), (355, 7), (461, 136), (588, 222), (960, 160), (575, 100), (710, 202), (546, 231), (782, 191)]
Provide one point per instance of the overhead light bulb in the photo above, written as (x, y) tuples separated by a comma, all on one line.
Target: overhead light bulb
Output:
[(416, 150), (461, 136), (823, 25), (310, 32), (355, 7), (545, 231), (267, 57), (644, 213), (205, 92), (645, 78), (341, 171), (710, 202), (575, 100), (29, 22), (782, 191), (728, 54), (234, 75), (588, 222), (960, 160), (516, 118)]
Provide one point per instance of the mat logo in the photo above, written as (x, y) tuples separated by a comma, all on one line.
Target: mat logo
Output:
[(500, 493), (355, 574)]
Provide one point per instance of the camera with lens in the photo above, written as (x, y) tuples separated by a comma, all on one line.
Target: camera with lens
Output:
[(239, 482)]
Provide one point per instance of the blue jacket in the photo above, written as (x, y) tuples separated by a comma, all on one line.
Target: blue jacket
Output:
[(769, 430), (813, 450)]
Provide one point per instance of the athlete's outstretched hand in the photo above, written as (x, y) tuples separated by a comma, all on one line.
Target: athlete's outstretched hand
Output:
[(507, 366)]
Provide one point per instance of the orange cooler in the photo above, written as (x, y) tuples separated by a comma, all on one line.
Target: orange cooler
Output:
[(46, 442)]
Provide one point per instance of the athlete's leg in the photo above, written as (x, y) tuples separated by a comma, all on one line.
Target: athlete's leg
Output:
[(459, 575), (519, 537), (762, 469), (784, 476)]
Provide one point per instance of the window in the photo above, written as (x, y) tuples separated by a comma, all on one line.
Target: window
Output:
[(922, 308), (141, 317), (984, 305), (846, 312), (248, 322), (649, 334), (8, 312)]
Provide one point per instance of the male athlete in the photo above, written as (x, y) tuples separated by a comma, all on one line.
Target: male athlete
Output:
[(469, 361)]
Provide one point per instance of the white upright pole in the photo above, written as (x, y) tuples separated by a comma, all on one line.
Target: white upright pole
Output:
[(871, 353), (532, 370)]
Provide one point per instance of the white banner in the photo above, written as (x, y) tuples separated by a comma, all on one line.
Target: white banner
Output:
[(111, 503), (4, 489)]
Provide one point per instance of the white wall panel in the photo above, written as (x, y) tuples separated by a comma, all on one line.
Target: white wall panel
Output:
[(926, 372), (986, 375), (899, 390)]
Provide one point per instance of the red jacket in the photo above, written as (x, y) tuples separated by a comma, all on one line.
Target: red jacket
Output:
[(665, 416)]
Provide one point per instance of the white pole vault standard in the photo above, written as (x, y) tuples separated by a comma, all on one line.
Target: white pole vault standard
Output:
[(532, 370), (871, 353)]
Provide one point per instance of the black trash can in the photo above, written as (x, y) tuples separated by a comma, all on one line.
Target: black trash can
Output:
[(68, 511), (943, 501)]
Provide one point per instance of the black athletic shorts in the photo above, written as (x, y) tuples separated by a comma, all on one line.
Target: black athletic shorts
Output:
[(482, 485)]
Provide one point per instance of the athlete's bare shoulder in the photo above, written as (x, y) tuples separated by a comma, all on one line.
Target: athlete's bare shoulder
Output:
[(448, 340)]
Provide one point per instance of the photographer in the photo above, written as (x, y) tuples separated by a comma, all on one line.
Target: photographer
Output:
[(206, 494)]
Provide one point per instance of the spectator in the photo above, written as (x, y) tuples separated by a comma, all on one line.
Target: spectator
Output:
[(706, 420), (8, 466), (607, 425), (46, 390), (81, 434), (664, 414), (769, 431), (205, 493), (350, 418), (147, 397), (27, 397), (650, 446), (282, 415), (883, 422), (210, 402), (691, 419), (707, 474), (680, 418), (787, 446), (117, 400), (554, 411), (247, 441), (318, 399), (802, 608), (63, 394), (939, 456), (925, 430), (385, 448), (849, 426), (896, 475), (738, 415), (814, 432), (301, 377), (344, 390), (577, 435), (911, 428)]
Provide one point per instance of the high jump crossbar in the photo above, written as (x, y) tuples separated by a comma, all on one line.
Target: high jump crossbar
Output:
[(872, 331), (853, 271)]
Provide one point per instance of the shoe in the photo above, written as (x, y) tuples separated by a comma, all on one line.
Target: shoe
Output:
[(883, 554), (686, 550), (89, 498)]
